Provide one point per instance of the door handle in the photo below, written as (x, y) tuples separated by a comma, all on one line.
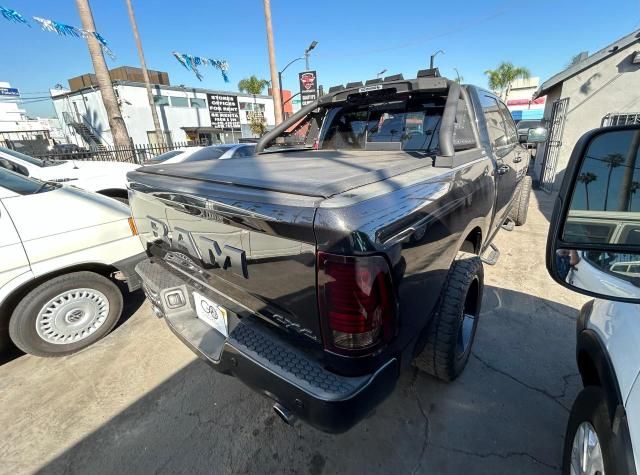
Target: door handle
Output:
[(502, 169), (517, 159)]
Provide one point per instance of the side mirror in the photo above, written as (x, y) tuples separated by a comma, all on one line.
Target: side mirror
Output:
[(593, 246), (537, 135)]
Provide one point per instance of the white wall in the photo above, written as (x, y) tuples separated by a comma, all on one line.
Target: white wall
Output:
[(612, 85)]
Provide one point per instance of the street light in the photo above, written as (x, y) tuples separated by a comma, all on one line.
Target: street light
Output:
[(381, 73), (433, 56), (313, 44)]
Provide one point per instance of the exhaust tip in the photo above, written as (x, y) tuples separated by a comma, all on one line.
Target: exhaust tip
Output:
[(285, 414)]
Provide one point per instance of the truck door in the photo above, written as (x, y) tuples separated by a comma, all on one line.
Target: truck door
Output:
[(506, 151), (13, 260)]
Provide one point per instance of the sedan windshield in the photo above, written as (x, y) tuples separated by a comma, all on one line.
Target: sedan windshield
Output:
[(22, 185)]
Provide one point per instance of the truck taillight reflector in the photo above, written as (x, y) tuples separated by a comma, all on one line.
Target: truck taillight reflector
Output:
[(356, 301)]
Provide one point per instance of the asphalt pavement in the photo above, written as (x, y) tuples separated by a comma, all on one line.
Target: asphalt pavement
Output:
[(139, 401)]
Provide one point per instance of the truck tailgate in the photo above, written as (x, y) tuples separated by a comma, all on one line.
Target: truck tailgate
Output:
[(251, 252)]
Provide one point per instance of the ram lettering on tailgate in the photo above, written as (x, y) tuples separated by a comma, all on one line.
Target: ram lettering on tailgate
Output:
[(225, 256)]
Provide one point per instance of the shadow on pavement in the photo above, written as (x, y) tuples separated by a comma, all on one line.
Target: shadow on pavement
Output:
[(546, 201), (505, 414)]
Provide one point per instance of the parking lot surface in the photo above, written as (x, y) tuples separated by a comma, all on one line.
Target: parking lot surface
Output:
[(140, 401)]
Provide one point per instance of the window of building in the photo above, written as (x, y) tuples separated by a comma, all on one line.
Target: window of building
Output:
[(161, 100), (198, 103), (177, 101), (252, 106)]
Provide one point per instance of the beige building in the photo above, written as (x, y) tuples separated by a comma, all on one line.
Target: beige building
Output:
[(602, 89)]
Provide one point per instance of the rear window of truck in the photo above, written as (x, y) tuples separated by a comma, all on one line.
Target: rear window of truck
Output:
[(410, 125)]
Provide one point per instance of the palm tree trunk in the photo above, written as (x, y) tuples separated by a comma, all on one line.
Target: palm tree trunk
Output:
[(586, 193), (145, 74), (275, 89), (116, 122), (606, 192)]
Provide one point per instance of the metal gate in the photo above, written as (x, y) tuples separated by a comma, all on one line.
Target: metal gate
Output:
[(554, 143)]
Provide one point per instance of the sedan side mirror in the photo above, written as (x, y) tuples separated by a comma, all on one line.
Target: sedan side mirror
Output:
[(593, 246), (537, 135)]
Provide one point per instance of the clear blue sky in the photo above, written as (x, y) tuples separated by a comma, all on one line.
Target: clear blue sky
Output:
[(356, 38)]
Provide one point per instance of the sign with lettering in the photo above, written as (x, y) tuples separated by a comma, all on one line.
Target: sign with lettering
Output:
[(9, 91), (308, 87), (224, 111)]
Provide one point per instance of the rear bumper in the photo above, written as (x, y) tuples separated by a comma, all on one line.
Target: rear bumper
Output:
[(267, 362)]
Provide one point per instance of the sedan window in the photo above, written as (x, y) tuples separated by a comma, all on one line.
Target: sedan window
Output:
[(22, 185)]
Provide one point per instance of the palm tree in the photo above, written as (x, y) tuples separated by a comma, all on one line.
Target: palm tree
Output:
[(613, 160), (116, 122), (253, 85), (635, 185), (587, 178), (501, 78)]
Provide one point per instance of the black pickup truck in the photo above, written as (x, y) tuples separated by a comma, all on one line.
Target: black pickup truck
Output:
[(350, 247)]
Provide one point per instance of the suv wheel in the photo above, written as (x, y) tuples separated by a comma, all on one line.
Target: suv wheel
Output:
[(521, 206), (65, 314), (451, 332)]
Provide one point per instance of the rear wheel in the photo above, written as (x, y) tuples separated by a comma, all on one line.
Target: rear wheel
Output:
[(521, 206), (65, 314), (451, 332)]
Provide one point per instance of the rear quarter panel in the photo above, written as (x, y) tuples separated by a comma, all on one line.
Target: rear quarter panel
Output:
[(418, 221)]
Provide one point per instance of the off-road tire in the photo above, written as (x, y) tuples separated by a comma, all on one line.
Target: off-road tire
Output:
[(22, 324), (439, 357), (520, 207)]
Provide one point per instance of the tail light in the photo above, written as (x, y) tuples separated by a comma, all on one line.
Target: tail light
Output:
[(356, 301)]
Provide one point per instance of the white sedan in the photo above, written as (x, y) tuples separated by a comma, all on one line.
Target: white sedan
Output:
[(211, 152), (61, 250), (108, 178)]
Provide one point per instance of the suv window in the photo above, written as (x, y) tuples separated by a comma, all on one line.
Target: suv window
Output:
[(509, 124), (22, 185), (495, 121)]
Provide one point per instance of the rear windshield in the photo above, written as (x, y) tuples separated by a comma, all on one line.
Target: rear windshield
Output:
[(411, 124), (166, 156), (207, 153), (22, 185)]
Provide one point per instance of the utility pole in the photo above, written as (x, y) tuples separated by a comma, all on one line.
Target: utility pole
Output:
[(275, 84), (145, 74), (116, 122)]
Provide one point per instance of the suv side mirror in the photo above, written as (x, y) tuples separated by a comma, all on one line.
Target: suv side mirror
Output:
[(593, 246), (537, 135)]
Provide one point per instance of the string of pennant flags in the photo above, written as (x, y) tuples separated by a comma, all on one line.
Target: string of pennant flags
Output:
[(56, 27), (193, 62)]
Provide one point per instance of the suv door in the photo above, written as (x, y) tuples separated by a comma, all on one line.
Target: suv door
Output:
[(504, 144), (13, 259)]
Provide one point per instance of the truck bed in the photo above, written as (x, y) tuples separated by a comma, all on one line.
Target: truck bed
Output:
[(314, 173)]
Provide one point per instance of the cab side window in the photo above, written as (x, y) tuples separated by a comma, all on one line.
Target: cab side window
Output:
[(509, 124), (495, 121)]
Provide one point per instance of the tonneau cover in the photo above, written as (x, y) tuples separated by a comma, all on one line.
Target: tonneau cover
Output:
[(319, 173)]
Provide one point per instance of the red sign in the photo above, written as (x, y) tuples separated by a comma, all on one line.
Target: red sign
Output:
[(524, 102)]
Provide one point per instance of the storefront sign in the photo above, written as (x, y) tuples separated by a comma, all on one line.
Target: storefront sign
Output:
[(257, 116), (224, 111), (308, 87), (9, 91)]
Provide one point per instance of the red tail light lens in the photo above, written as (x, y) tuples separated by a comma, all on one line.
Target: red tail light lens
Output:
[(356, 301)]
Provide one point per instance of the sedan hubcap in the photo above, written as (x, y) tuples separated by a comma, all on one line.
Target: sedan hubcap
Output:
[(72, 316), (586, 452)]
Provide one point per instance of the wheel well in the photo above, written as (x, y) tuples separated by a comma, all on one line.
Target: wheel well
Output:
[(588, 370), (473, 242), (114, 193), (7, 306)]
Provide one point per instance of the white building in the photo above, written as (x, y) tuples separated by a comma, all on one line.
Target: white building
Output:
[(520, 100), (16, 129), (184, 114)]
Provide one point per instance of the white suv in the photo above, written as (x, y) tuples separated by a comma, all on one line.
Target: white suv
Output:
[(60, 249), (594, 248), (108, 178)]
